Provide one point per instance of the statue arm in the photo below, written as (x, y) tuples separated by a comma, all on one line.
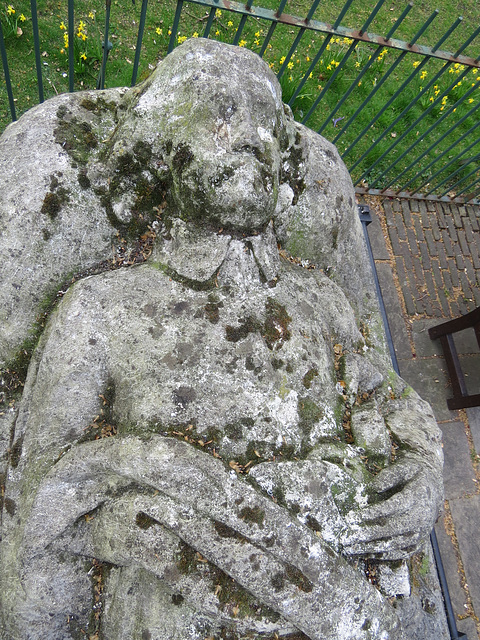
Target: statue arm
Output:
[(68, 363), (406, 495)]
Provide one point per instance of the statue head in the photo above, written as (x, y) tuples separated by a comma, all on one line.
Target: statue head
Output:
[(215, 115)]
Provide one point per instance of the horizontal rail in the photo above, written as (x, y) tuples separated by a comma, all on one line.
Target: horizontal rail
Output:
[(342, 32)]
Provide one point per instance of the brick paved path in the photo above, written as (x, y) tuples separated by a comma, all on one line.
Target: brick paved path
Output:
[(437, 255), (428, 262)]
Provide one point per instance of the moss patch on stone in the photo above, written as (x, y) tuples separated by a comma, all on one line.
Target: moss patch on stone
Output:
[(309, 413), (254, 515)]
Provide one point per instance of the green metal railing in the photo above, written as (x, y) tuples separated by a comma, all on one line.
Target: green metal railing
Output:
[(421, 146)]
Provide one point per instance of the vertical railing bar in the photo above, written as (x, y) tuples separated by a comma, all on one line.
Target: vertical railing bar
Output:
[(382, 81), (441, 155), (313, 8), (101, 78), (398, 22), (433, 145), (425, 134), (272, 28), (138, 48), (291, 52), (430, 148), (407, 108), (298, 37), (313, 64), (447, 178), (447, 34), (376, 88), (6, 73), (471, 195), (467, 42), (340, 16), (36, 46), (397, 119), (208, 26), (307, 74), (241, 24), (268, 37), (332, 79), (473, 171), (176, 21), (372, 16), (71, 44), (392, 99)]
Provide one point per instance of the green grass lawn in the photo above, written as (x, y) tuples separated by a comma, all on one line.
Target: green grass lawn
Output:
[(335, 72)]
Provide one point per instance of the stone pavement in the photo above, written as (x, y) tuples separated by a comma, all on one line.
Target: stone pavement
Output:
[(428, 262)]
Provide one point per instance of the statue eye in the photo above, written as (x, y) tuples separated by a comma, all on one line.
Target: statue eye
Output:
[(227, 110)]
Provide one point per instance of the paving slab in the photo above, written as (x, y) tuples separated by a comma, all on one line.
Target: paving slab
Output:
[(450, 566), (465, 340), (466, 515), (458, 472), (468, 627), (471, 371), (429, 377), (473, 416), (377, 239), (394, 311)]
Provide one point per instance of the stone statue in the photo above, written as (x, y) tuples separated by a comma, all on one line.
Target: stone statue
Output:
[(211, 443)]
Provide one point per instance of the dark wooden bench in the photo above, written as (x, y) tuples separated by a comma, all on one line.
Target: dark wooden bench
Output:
[(444, 332)]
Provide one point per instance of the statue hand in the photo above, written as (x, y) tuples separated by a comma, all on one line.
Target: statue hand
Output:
[(405, 501)]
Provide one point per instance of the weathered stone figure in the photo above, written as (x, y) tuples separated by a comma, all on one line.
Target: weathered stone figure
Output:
[(254, 442)]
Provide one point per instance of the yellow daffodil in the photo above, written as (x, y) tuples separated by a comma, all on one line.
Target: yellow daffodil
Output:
[(158, 31), (22, 18), (242, 43), (290, 65), (83, 56), (218, 13), (229, 23), (10, 10), (195, 34), (181, 39), (415, 64), (91, 15)]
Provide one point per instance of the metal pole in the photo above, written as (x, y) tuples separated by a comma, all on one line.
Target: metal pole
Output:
[(36, 46), (138, 48), (6, 72)]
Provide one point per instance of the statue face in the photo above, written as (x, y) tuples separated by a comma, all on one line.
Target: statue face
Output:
[(222, 128), (233, 174)]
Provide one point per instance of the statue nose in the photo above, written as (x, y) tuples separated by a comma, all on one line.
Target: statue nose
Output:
[(251, 144)]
